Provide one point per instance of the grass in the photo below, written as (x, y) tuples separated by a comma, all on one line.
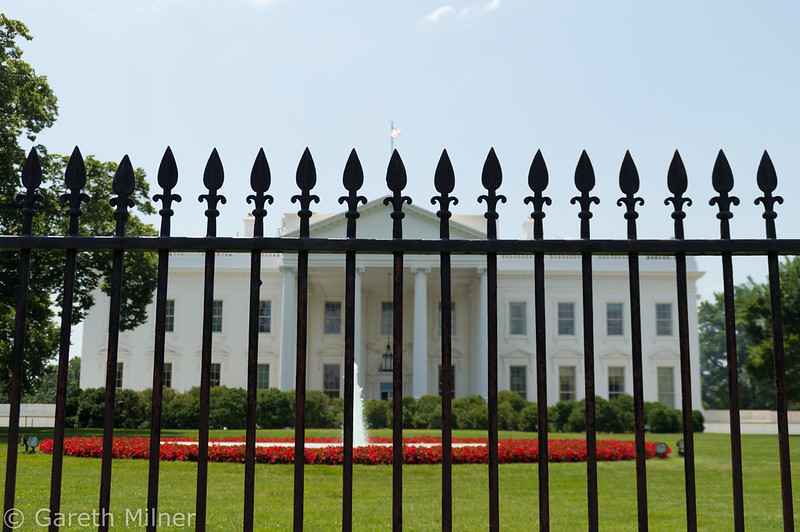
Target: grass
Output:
[(422, 484)]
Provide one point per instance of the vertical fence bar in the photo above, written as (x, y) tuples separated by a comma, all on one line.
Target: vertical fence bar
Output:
[(260, 179), (306, 178), (75, 179), (123, 185), (767, 182), (629, 184), (213, 177), (31, 179), (677, 183), (537, 182), (492, 178), (584, 181), (353, 179), (167, 178), (722, 180), (444, 181), (396, 181)]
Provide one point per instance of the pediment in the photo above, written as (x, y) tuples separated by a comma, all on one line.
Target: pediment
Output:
[(375, 222)]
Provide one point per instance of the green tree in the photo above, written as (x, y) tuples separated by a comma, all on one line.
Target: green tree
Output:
[(754, 390), (760, 364), (27, 106)]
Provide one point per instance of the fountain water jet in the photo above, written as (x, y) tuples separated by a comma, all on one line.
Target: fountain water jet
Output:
[(360, 437)]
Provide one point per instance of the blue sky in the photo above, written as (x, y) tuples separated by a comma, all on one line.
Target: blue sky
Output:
[(133, 77)]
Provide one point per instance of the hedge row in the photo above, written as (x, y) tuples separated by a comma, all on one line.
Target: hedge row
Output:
[(515, 413), (275, 409)]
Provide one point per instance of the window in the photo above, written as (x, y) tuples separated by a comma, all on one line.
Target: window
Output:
[(331, 379), (614, 319), (566, 319), (169, 320), (216, 371), (265, 316), (386, 391), (517, 318), (166, 375), (452, 319), (518, 380), (333, 317), (566, 383), (263, 376), (663, 319), (120, 371), (666, 386), (616, 381), (216, 316), (387, 313)]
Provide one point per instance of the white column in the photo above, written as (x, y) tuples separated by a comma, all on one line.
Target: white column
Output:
[(481, 357), (420, 353), (288, 327), (359, 336)]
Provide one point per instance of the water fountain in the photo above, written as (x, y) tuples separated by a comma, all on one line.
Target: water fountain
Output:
[(360, 437)]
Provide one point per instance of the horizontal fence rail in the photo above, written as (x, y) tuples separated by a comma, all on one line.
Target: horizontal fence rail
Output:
[(399, 247)]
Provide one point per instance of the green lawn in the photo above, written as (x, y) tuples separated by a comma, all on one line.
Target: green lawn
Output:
[(372, 490)]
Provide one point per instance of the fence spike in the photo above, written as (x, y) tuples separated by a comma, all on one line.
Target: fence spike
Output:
[(629, 184), (584, 181), (444, 180), (306, 178), (722, 180), (32, 171), (214, 174), (766, 177), (75, 180), (168, 170), (538, 178), (492, 178), (677, 182), (352, 179), (396, 180)]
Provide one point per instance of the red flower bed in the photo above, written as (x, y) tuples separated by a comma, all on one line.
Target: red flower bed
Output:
[(509, 451)]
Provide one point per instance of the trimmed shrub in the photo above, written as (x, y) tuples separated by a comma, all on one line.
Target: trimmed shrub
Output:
[(409, 411), (470, 412), (131, 409), (377, 414), (228, 408), (558, 415), (623, 410), (516, 401), (507, 416), (90, 407), (576, 421), (663, 419), (319, 413), (180, 410), (273, 409), (529, 418), (429, 412), (698, 421)]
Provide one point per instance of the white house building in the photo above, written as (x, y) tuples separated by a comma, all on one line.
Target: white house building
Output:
[(421, 342)]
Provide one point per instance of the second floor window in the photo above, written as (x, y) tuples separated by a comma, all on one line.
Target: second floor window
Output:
[(664, 319), (566, 319), (614, 319), (169, 320), (387, 314), (517, 318), (216, 316), (265, 316), (333, 317)]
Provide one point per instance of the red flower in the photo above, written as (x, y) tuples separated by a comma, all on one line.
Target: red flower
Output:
[(508, 451)]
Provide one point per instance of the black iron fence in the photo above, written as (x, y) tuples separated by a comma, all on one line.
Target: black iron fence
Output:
[(444, 180)]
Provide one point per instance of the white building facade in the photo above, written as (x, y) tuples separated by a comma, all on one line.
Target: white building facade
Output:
[(421, 324)]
